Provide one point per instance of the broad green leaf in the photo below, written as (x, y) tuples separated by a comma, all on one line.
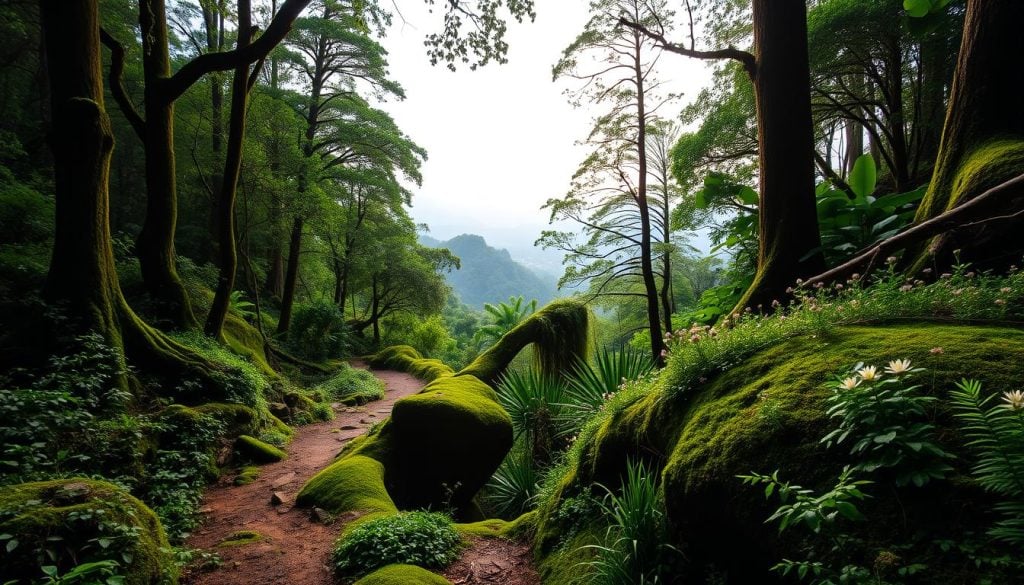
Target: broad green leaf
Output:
[(863, 176), (748, 195)]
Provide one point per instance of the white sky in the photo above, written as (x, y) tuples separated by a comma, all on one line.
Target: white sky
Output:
[(501, 139)]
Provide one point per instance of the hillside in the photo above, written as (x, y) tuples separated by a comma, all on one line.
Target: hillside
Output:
[(490, 275)]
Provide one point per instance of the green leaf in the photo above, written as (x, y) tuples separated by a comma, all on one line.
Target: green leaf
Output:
[(849, 511), (747, 195), (12, 544), (864, 175), (917, 8)]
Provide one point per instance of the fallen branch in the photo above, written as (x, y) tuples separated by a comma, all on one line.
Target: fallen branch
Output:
[(980, 210)]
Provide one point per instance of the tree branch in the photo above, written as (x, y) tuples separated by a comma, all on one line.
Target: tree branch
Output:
[(194, 70), (748, 60), (117, 84), (977, 211)]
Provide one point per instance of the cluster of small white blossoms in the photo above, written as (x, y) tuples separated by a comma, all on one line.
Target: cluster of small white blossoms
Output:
[(1014, 400), (692, 335), (871, 374)]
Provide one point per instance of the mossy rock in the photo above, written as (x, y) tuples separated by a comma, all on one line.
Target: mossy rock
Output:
[(354, 483), (438, 449), (241, 538), (245, 340), (522, 527), (560, 334), (402, 575), (255, 450), (238, 419), (247, 475), (405, 358), (767, 413), (36, 514)]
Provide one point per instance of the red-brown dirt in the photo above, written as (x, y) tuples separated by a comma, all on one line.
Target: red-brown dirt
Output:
[(295, 550)]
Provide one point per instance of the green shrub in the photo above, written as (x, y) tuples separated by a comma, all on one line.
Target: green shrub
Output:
[(592, 384), (537, 405), (318, 331), (425, 539), (242, 381), (635, 548), (513, 486), (352, 386)]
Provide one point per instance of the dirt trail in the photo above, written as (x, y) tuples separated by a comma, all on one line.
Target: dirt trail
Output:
[(295, 550)]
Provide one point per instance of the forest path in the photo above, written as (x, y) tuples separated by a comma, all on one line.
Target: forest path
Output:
[(295, 549)]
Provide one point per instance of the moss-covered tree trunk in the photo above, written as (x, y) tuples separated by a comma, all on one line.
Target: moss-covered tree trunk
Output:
[(789, 242), (227, 253), (155, 245), (82, 278), (983, 137), (291, 277)]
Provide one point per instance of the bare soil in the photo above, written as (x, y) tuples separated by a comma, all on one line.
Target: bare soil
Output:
[(295, 549)]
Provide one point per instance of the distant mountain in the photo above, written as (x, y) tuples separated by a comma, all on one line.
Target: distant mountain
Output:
[(490, 275)]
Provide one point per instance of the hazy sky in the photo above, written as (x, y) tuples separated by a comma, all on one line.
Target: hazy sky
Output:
[(501, 139)]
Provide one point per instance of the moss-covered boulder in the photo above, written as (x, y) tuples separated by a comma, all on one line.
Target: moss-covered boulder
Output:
[(255, 450), (405, 358), (69, 517), (402, 575), (767, 413), (354, 483)]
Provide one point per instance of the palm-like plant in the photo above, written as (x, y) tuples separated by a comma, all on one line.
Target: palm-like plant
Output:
[(504, 318), (591, 384), (513, 486), (536, 404)]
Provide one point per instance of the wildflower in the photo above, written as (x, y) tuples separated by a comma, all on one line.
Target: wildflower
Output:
[(906, 288), (789, 290), (945, 275), (890, 260), (926, 271), (1013, 268), (855, 276), (1014, 400), (854, 303), (799, 281), (819, 284), (1000, 302), (839, 286), (936, 351), (958, 292), (898, 367), (775, 304), (1005, 289), (969, 275), (664, 353), (850, 383), (869, 373)]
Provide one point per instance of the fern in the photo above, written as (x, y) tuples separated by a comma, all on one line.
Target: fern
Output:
[(996, 434)]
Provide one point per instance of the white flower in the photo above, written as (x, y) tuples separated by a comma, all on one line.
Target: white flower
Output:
[(1014, 400), (850, 383), (936, 351), (869, 373), (898, 367)]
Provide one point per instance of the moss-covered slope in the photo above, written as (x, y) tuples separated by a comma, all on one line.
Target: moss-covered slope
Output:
[(766, 413), (76, 514)]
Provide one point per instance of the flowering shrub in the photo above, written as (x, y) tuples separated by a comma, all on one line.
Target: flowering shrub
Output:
[(885, 419), (696, 353)]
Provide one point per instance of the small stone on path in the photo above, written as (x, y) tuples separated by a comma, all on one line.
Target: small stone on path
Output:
[(276, 499), (283, 480)]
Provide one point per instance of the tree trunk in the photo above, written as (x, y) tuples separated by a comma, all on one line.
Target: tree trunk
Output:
[(983, 138), (291, 277), (214, 23), (155, 245), (375, 312), (788, 221), (82, 277), (228, 255), (275, 275), (897, 122), (646, 265)]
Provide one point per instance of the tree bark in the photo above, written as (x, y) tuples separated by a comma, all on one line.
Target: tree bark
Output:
[(291, 277), (788, 221), (228, 255), (982, 139), (155, 245), (82, 278)]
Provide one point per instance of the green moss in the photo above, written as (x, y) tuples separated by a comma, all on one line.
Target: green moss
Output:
[(354, 483), (280, 426), (565, 567), (242, 537), (559, 332), (523, 526), (255, 450), (766, 413), (402, 575), (238, 419), (438, 449), (405, 358), (246, 341), (247, 475), (70, 513)]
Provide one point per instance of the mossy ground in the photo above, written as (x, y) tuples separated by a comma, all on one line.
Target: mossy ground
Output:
[(241, 538), (255, 450), (247, 475), (766, 413), (402, 575), (73, 512)]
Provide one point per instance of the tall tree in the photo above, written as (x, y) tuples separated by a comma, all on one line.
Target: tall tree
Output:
[(789, 243), (155, 244), (982, 140), (609, 196)]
